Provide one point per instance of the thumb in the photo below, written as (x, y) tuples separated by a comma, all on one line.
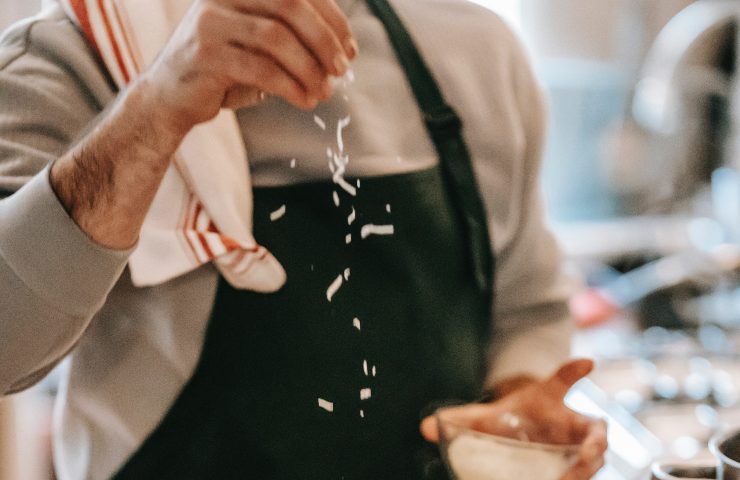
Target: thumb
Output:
[(465, 416), (570, 373), (242, 96), (430, 429)]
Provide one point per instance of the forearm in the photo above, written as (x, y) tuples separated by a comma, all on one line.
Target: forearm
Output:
[(108, 181), (531, 352), (55, 272)]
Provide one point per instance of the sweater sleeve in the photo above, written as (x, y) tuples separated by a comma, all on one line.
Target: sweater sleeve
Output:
[(53, 278), (533, 326)]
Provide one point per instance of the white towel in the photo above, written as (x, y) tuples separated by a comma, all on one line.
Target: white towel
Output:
[(203, 210)]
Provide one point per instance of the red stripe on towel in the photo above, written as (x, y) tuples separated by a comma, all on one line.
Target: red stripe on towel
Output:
[(80, 9), (114, 43), (198, 209), (237, 259), (204, 244), (201, 237), (186, 229), (126, 39), (231, 244)]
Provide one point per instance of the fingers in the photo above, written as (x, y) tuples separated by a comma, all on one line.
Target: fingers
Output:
[(591, 453), (468, 416), (241, 97), (584, 471), (429, 429), (275, 40), (309, 25), (580, 427), (254, 69), (331, 13), (315, 33), (570, 373)]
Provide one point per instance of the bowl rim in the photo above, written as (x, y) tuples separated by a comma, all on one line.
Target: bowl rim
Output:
[(673, 461), (717, 440), (559, 448)]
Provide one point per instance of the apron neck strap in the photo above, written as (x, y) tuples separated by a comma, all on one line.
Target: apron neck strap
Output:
[(441, 120), (445, 128)]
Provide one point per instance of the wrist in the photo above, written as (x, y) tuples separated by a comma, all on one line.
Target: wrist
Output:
[(108, 181), (158, 128)]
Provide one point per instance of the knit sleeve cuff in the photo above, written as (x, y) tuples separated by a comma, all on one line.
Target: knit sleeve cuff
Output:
[(52, 255), (537, 351)]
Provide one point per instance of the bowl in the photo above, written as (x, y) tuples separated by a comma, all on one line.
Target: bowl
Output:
[(474, 455), (725, 446)]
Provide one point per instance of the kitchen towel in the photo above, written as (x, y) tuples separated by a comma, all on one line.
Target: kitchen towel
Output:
[(203, 210)]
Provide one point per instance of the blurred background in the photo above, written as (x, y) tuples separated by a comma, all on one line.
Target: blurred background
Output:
[(642, 184)]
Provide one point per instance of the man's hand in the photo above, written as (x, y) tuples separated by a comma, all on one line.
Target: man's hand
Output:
[(225, 53), (544, 418)]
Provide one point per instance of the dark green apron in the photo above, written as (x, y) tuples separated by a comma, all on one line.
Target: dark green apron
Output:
[(294, 386)]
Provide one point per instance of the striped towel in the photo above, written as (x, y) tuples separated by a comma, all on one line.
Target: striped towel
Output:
[(203, 210)]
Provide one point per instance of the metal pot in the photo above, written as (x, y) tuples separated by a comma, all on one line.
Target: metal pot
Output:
[(726, 449)]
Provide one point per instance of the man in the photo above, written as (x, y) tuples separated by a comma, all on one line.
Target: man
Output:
[(195, 378)]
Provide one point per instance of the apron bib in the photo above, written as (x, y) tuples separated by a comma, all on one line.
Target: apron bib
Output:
[(320, 382)]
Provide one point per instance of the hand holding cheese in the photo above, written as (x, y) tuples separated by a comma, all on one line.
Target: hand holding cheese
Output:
[(225, 53), (539, 415)]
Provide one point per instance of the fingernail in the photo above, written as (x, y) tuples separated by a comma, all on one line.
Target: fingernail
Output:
[(351, 47), (327, 90), (341, 64), (335, 82)]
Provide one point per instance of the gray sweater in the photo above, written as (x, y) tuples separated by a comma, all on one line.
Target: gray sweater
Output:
[(133, 349)]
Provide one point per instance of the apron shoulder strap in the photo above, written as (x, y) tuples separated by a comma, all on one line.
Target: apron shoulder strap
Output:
[(445, 128), (442, 122)]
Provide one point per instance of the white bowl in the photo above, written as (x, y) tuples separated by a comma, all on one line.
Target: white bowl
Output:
[(473, 455)]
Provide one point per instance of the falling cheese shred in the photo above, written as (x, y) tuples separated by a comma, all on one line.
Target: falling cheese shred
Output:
[(339, 180), (278, 214), (341, 125), (334, 287), (371, 229), (326, 405)]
